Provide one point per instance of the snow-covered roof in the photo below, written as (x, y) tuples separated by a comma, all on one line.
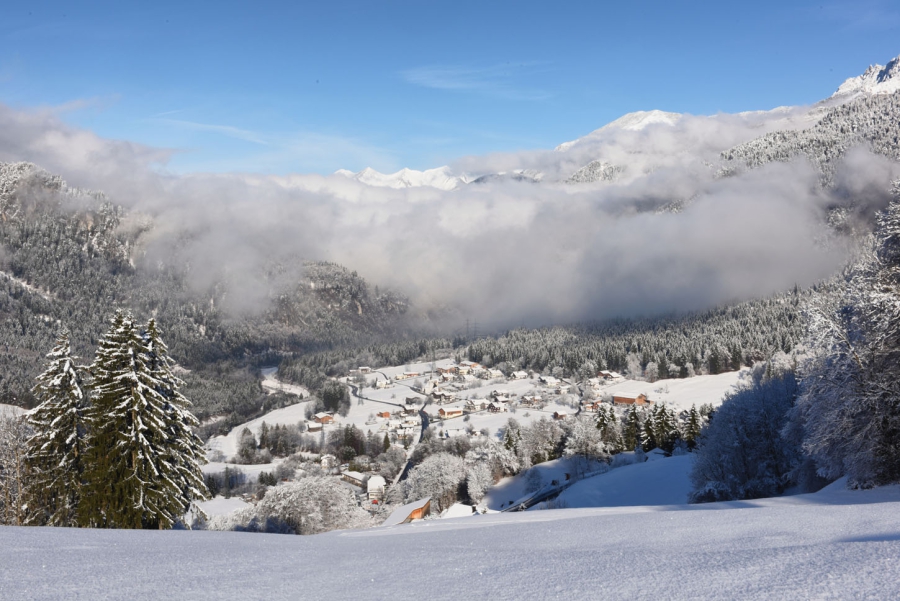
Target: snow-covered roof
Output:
[(457, 510), (375, 482), (401, 514)]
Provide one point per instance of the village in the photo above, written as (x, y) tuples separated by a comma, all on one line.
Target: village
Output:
[(456, 399)]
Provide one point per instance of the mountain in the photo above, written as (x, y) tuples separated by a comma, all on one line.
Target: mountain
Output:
[(876, 79), (635, 121), (440, 178)]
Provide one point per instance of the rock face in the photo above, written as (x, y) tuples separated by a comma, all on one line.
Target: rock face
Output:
[(877, 79)]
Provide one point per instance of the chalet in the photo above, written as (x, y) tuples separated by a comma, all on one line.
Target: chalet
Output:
[(559, 415), (468, 378), (450, 370), (531, 400), (448, 412), (375, 488), (313, 427), (443, 396), (381, 384), (519, 375), (563, 389), (409, 512), (384, 414), (639, 400), (354, 478), (590, 406), (410, 410), (610, 376), (498, 407), (407, 375), (473, 405), (496, 373), (324, 418), (365, 370), (548, 380), (328, 461)]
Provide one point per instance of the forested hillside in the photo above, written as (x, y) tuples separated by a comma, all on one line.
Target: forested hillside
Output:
[(68, 258)]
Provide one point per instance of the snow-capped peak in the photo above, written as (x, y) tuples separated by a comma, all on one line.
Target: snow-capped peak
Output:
[(635, 121), (440, 178), (877, 79)]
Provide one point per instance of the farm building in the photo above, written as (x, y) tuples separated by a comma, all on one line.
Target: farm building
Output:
[(409, 512), (640, 400)]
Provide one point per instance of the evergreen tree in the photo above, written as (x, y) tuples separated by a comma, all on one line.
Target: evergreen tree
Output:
[(693, 426), (55, 451), (142, 469), (634, 430)]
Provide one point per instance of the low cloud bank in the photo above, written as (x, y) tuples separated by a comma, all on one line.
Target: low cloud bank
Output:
[(504, 252)]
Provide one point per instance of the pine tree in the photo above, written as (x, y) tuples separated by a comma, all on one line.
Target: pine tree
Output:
[(692, 428), (55, 451), (143, 460), (634, 430)]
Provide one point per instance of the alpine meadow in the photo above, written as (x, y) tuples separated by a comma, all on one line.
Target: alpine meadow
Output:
[(307, 301)]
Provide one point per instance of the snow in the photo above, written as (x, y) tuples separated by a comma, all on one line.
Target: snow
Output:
[(399, 515), (252, 471), (513, 488), (272, 384), (458, 510), (635, 121), (877, 79), (440, 178), (836, 544), (680, 394), (11, 409), (222, 506), (661, 482)]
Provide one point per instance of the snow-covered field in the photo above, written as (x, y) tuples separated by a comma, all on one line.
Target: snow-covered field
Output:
[(682, 393), (835, 544)]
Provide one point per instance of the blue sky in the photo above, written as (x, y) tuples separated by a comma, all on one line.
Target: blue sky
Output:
[(276, 87)]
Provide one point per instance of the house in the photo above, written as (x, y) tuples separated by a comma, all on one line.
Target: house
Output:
[(548, 380), (448, 412), (354, 478), (407, 375), (473, 405), (610, 376), (384, 414), (382, 384), (519, 375), (328, 462), (375, 488), (590, 406), (410, 409), (468, 378), (365, 370), (324, 418), (559, 415), (531, 400), (443, 396), (313, 428), (498, 407), (563, 389), (639, 400), (496, 373), (409, 512)]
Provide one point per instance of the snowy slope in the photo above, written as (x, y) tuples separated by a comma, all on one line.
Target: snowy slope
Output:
[(635, 121), (661, 482), (682, 393), (836, 544), (10, 409), (876, 79)]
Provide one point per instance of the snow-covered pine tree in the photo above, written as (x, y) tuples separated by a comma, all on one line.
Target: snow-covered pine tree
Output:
[(55, 450), (849, 409), (184, 451), (140, 469)]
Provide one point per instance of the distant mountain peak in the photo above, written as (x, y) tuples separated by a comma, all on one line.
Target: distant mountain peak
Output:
[(635, 121), (440, 177), (877, 79)]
